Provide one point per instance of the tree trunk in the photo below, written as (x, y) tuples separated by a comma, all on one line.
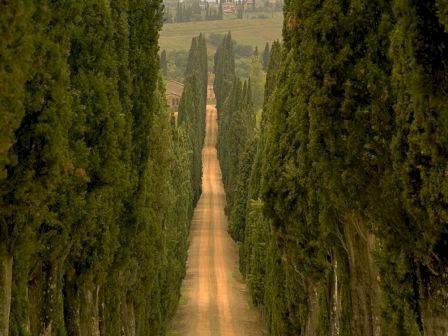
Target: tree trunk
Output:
[(52, 316), (127, 316), (89, 312), (131, 318), (101, 310), (5, 293), (35, 297), (71, 306)]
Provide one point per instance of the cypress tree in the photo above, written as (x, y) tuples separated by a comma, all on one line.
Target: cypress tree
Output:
[(414, 234), (193, 104), (224, 69), (163, 63), (29, 194), (257, 79), (16, 48), (328, 148), (91, 172), (257, 233), (98, 110), (265, 57), (319, 123)]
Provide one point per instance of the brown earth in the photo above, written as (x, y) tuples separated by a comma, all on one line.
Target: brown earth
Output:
[(214, 299)]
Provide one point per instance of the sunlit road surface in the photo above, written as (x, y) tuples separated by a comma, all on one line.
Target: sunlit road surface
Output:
[(215, 302)]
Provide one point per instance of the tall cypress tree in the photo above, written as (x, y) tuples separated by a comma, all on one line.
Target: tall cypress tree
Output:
[(89, 187), (29, 194), (193, 104), (320, 144), (98, 109), (415, 233), (257, 232), (16, 48), (265, 57), (224, 69)]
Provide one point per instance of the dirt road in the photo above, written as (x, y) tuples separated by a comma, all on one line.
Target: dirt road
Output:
[(215, 302)]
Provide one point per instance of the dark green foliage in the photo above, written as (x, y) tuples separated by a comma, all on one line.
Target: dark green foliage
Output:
[(29, 198), (350, 163), (224, 69), (324, 141), (258, 233), (97, 193), (236, 140), (193, 104), (416, 248), (16, 47)]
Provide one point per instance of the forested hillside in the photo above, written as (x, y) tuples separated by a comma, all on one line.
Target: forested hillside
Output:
[(339, 198), (97, 185)]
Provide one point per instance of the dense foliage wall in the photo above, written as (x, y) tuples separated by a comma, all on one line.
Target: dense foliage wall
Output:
[(192, 107), (96, 182), (236, 123), (344, 230), (224, 69)]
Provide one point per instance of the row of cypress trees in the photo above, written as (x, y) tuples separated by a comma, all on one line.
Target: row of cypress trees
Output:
[(236, 123), (344, 228), (96, 183), (192, 106)]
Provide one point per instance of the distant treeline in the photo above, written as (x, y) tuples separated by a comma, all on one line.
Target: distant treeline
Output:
[(193, 12), (339, 199), (205, 11), (97, 185)]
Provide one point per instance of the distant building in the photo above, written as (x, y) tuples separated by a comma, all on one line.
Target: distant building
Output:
[(173, 93)]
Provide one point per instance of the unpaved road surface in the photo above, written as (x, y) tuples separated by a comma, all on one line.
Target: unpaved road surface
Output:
[(215, 302)]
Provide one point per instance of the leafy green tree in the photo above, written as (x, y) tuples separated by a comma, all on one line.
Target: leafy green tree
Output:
[(37, 164)]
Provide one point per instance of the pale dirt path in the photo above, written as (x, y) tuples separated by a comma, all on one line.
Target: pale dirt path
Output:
[(214, 302)]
